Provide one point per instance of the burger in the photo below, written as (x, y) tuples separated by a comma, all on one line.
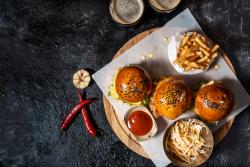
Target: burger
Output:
[(171, 98), (213, 102), (132, 84)]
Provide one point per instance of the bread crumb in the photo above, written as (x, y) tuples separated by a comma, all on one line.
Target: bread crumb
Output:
[(143, 57), (151, 55), (216, 66), (165, 39)]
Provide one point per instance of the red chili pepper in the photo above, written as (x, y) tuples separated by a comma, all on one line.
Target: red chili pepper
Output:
[(85, 117), (72, 114)]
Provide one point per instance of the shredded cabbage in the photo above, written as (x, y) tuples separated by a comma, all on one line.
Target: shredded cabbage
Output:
[(185, 140)]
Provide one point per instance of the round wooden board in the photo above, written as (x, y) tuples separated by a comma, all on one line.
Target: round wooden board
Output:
[(119, 126)]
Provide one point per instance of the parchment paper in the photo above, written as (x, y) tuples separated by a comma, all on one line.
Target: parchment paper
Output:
[(158, 66)]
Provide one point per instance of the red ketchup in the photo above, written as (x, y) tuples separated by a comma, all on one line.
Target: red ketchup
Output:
[(139, 123)]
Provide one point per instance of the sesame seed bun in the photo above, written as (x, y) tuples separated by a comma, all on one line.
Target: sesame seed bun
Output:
[(213, 102), (171, 98), (133, 84)]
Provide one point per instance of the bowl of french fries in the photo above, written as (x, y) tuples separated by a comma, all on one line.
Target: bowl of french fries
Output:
[(194, 52)]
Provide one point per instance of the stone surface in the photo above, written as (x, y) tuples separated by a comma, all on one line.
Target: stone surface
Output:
[(43, 42)]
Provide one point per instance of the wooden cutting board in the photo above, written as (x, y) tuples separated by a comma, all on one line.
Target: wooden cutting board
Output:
[(119, 126)]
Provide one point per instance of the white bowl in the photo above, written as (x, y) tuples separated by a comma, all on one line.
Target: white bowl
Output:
[(173, 48)]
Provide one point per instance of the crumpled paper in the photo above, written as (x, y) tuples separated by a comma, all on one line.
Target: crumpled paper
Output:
[(159, 65)]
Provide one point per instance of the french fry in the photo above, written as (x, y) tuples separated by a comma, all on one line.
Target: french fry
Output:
[(193, 58), (203, 39), (187, 68), (204, 51), (199, 53), (194, 52), (214, 55), (201, 43), (193, 64), (203, 66), (193, 35), (185, 39), (214, 48), (202, 59), (184, 51), (191, 49), (181, 58)]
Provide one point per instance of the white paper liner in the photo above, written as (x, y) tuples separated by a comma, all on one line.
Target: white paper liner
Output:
[(159, 66)]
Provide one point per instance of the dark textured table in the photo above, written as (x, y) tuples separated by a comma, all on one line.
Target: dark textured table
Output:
[(43, 42)]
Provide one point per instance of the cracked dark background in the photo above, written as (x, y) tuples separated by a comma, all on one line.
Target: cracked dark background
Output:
[(43, 42)]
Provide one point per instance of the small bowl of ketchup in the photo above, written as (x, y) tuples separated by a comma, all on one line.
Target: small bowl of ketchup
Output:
[(140, 123)]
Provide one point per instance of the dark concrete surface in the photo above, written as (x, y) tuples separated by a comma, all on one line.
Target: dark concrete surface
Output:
[(43, 42)]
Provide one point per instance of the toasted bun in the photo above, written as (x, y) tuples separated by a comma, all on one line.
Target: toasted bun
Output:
[(213, 102), (171, 98), (133, 84)]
